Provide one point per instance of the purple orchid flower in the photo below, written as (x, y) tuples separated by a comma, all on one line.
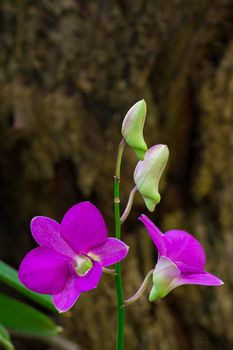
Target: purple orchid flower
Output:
[(71, 256), (181, 260)]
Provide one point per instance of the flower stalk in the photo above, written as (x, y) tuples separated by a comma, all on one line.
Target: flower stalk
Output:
[(120, 298), (129, 205), (119, 158), (109, 271), (141, 290)]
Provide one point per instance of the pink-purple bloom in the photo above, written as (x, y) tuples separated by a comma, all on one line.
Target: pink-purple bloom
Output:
[(181, 260), (71, 255)]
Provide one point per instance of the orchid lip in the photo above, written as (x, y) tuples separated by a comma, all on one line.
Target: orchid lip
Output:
[(82, 265), (165, 277)]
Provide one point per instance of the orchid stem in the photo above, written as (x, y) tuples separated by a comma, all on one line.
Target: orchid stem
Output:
[(120, 298), (129, 205), (141, 290), (119, 158)]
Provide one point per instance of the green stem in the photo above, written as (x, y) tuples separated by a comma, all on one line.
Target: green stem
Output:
[(119, 158), (120, 298)]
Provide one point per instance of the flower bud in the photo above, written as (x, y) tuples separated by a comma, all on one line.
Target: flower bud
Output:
[(132, 128), (165, 278), (148, 172)]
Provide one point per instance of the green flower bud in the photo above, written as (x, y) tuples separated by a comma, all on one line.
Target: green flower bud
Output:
[(148, 173), (132, 128)]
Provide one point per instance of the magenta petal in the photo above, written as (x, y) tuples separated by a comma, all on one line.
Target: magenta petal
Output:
[(185, 251), (112, 251), (45, 271), (156, 235), (90, 280), (46, 232), (83, 227), (205, 279), (67, 297)]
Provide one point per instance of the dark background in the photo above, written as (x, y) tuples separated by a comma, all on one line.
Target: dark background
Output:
[(69, 71)]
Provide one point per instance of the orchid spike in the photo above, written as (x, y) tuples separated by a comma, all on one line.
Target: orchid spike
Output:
[(132, 128), (148, 173), (181, 260), (71, 256)]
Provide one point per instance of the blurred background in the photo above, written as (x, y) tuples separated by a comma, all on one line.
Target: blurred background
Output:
[(69, 71)]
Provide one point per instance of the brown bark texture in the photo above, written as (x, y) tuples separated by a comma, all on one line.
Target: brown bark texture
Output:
[(69, 71)]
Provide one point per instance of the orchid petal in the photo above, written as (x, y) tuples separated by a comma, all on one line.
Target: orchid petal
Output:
[(45, 271), (90, 280), (46, 233), (204, 279), (67, 297), (185, 251), (156, 235), (83, 227), (112, 251)]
